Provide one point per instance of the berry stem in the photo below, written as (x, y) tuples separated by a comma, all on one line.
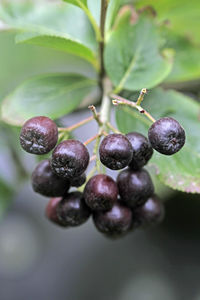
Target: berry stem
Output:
[(118, 100), (95, 114), (141, 96), (77, 125), (111, 127), (93, 138)]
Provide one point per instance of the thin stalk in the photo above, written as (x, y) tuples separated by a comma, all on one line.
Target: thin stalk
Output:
[(118, 100), (77, 125), (93, 138), (104, 5)]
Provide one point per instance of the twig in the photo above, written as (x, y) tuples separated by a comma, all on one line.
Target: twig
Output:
[(96, 115), (77, 125), (118, 100), (93, 138)]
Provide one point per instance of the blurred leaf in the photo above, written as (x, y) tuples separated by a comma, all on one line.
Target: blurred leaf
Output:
[(95, 8), (132, 57), (77, 2), (183, 16), (186, 60), (113, 8), (5, 197), (50, 95), (58, 26), (182, 170)]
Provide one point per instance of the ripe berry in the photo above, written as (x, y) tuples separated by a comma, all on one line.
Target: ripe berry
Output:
[(51, 213), (166, 136), (46, 183), (115, 222), (135, 187), (39, 135), (72, 210), (142, 150), (150, 213), (100, 192), (115, 151), (78, 181), (70, 159)]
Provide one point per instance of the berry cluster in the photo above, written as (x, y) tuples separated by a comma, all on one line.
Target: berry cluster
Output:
[(116, 206)]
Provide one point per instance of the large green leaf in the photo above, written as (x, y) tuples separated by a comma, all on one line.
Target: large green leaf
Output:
[(132, 57), (59, 26), (183, 16), (186, 60), (182, 170), (50, 95)]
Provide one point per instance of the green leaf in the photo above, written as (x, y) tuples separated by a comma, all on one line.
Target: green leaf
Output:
[(77, 2), (50, 95), (183, 16), (95, 9), (182, 170), (59, 26), (132, 57), (113, 8), (186, 60), (5, 197)]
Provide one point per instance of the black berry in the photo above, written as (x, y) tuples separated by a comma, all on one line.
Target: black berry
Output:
[(100, 192), (46, 183), (72, 210), (115, 151), (150, 213), (78, 181), (135, 187), (115, 222), (166, 136), (142, 150), (70, 159), (39, 135), (51, 212)]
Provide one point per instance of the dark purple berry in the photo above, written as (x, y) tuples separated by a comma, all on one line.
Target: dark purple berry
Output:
[(115, 222), (115, 151), (70, 159), (166, 136), (78, 181), (142, 150), (100, 192), (39, 135), (150, 213), (46, 183), (135, 187), (72, 210), (51, 213)]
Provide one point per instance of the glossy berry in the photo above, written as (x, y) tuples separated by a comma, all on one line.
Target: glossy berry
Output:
[(166, 136), (70, 159), (100, 192), (135, 187), (72, 210), (39, 135), (46, 183), (115, 151), (115, 222), (78, 181), (142, 150), (51, 212), (150, 213)]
